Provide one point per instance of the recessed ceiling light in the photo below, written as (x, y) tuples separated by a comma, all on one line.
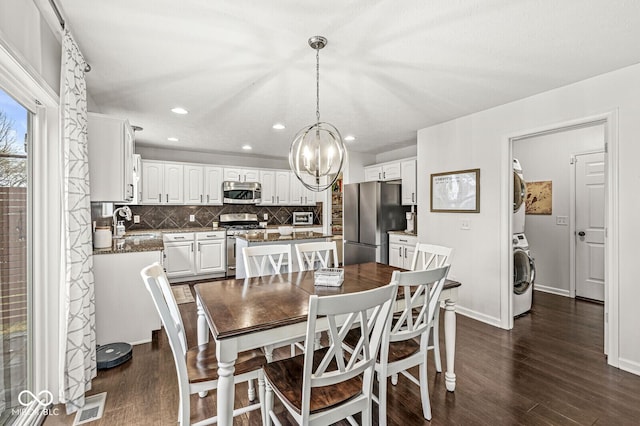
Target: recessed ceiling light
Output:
[(172, 139), (349, 138), (278, 126), (179, 110), (247, 147)]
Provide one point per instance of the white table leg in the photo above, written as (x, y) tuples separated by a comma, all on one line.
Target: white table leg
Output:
[(203, 333), (203, 327), (227, 353), (450, 343)]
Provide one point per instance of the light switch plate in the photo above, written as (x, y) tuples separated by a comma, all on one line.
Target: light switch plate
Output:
[(192, 218), (136, 218), (465, 224), (265, 216), (562, 220)]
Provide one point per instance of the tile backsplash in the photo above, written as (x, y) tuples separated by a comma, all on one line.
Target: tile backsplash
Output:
[(176, 217)]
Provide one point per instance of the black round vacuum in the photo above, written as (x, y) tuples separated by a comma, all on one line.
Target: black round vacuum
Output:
[(113, 354)]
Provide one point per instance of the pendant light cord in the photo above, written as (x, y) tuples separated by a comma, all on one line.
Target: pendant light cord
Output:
[(318, 87)]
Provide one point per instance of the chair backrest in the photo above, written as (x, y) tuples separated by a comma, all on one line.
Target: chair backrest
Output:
[(310, 253), (420, 291), (369, 311), (156, 282), (430, 256), (265, 260)]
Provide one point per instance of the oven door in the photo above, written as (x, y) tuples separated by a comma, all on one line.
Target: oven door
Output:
[(231, 256)]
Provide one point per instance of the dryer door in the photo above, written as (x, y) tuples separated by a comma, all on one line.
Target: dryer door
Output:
[(524, 271), (519, 191)]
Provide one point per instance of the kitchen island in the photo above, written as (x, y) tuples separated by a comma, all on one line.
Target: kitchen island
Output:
[(265, 238)]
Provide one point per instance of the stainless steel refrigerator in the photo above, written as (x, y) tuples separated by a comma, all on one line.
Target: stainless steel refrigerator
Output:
[(370, 210)]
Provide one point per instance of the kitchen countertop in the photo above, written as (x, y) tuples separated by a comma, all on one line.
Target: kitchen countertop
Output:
[(262, 237), (410, 234), (145, 240)]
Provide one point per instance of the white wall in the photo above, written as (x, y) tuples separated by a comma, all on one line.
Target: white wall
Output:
[(481, 140), (397, 154), (354, 169), (164, 154), (546, 158)]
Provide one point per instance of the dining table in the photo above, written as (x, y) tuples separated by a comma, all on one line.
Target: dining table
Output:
[(252, 313)]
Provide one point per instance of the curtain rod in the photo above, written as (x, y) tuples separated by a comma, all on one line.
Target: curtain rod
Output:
[(57, 12)]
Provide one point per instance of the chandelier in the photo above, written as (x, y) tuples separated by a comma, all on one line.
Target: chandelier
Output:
[(317, 152)]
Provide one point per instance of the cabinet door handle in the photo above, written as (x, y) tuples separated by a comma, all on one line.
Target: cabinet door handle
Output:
[(405, 252), (404, 241), (272, 199), (191, 247), (384, 175), (201, 198), (207, 198), (413, 197), (379, 176), (167, 198), (306, 200), (199, 244), (400, 248), (278, 198), (159, 198), (178, 238)]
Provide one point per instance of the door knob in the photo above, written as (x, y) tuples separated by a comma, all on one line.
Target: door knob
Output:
[(581, 234)]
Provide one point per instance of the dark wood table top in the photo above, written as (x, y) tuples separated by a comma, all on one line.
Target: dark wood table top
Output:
[(241, 306)]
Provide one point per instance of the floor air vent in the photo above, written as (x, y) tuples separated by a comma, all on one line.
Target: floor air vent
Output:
[(92, 410)]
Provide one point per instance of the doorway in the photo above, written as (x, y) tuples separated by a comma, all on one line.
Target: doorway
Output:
[(608, 122)]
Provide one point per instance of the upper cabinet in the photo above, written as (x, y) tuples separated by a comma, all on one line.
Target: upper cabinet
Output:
[(300, 195), (111, 162), (202, 184), (162, 183), (408, 172), (387, 171), (275, 187), (241, 175)]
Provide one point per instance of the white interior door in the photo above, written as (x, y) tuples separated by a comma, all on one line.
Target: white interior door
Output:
[(590, 220)]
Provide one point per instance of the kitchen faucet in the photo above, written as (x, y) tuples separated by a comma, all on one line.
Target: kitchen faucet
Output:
[(123, 211)]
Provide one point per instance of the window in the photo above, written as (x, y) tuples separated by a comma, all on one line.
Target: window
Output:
[(15, 291)]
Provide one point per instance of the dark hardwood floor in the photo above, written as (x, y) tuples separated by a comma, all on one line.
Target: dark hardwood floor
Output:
[(549, 370)]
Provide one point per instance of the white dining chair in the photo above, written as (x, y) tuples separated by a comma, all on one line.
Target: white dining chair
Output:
[(266, 260), (430, 256), (324, 253), (197, 367), (323, 386), (418, 292), (269, 260)]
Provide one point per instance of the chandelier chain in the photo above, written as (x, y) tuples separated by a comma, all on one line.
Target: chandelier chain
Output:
[(318, 85)]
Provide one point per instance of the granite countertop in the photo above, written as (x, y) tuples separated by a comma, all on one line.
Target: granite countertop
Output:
[(145, 240), (263, 237), (410, 234)]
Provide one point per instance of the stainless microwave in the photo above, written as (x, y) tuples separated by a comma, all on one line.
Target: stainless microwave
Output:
[(241, 192), (302, 218)]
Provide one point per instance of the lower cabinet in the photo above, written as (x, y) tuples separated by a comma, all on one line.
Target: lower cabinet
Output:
[(189, 254), (401, 250), (124, 309)]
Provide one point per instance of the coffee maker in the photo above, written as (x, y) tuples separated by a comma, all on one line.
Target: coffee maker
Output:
[(411, 222)]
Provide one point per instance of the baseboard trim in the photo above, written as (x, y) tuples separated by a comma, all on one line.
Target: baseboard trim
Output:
[(629, 366), (552, 290), (478, 316)]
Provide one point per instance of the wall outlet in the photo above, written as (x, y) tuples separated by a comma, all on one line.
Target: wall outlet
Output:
[(465, 224), (562, 220), (265, 216), (136, 218), (192, 218)]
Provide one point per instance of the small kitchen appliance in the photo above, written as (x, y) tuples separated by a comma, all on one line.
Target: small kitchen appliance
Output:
[(411, 222), (303, 218)]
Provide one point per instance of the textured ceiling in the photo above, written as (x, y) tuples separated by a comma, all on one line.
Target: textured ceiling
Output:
[(389, 69)]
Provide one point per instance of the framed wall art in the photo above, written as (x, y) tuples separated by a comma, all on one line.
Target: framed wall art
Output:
[(456, 192)]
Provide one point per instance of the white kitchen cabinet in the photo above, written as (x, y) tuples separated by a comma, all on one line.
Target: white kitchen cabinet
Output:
[(241, 175), (188, 255), (193, 184), (111, 163), (124, 310), (213, 185), (202, 184), (162, 183), (179, 254), (383, 172), (408, 172), (210, 253), (299, 194), (401, 250), (268, 182)]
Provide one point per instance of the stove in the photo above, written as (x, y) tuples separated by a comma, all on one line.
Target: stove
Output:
[(236, 224)]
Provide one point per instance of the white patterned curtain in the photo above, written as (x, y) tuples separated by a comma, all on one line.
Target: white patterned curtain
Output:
[(78, 337)]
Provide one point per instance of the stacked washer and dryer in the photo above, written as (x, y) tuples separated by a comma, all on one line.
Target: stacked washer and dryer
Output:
[(524, 270)]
